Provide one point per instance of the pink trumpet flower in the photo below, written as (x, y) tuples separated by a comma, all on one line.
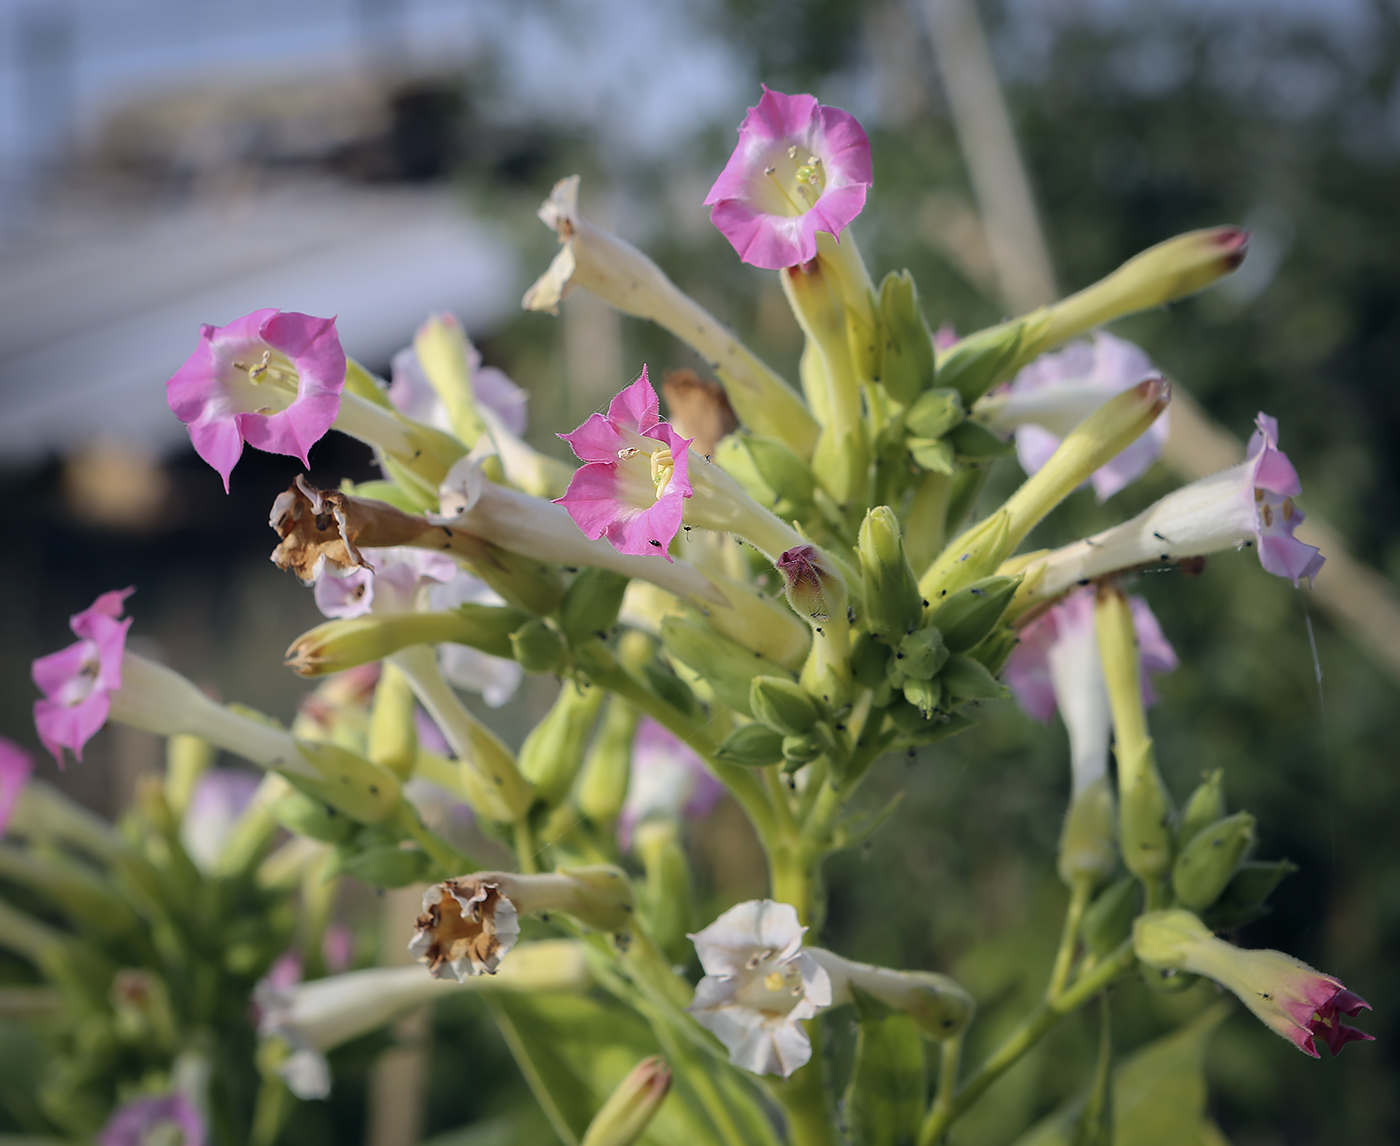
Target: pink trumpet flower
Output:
[(799, 168), (272, 379), (636, 477), (77, 682), (16, 766)]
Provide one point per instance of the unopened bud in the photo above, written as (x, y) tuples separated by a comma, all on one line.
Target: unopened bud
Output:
[(907, 358), (973, 442), (935, 413), (966, 616), (753, 745), (1208, 863), (727, 667), (1088, 843), (925, 695), (342, 644), (966, 679), (629, 1109), (799, 750), (783, 705), (892, 603), (302, 815), (933, 454), (363, 791), (537, 647), (602, 786), (813, 586), (552, 754), (973, 365), (591, 604), (1109, 919), (1203, 807), (392, 741), (1244, 898), (922, 654), (786, 474)]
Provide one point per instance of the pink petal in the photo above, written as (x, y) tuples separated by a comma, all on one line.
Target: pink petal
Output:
[(1285, 556), (593, 498), (649, 531), (1275, 473), (680, 456), (63, 726), (219, 443), (763, 240), (16, 766), (110, 604), (597, 440), (635, 407), (55, 670)]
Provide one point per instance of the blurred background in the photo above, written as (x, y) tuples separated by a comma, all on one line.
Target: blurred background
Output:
[(165, 163)]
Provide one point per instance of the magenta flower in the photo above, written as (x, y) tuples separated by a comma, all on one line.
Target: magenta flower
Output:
[(667, 779), (1284, 993), (799, 168), (635, 479), (169, 1118), (16, 766), (271, 379), (1276, 484), (77, 682), (1057, 391)]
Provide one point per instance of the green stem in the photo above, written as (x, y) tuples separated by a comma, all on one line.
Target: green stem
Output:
[(525, 853), (1034, 1028), (449, 859), (949, 1067), (803, 1098), (1094, 1122), (1069, 937)]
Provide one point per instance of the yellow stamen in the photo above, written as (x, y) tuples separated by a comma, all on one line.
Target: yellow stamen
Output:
[(662, 467), (773, 981), (1288, 509)]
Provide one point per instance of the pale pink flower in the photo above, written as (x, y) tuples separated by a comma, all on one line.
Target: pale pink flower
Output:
[(167, 1118), (759, 985), (667, 779), (413, 395), (272, 379), (77, 682), (799, 168), (633, 485), (219, 800), (16, 766), (1057, 391)]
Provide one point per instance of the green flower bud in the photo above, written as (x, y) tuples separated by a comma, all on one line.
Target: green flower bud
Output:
[(906, 366), (973, 442), (602, 787), (969, 615), (799, 750), (915, 728), (935, 413), (892, 603), (1243, 900), (1109, 919), (925, 695), (552, 754), (965, 679), (933, 454), (388, 865), (343, 644), (783, 705), (921, 654), (537, 647), (625, 1115), (591, 604), (392, 741), (786, 474), (1088, 843), (303, 816), (671, 689), (1204, 807), (727, 667), (1144, 813), (363, 791), (753, 745), (1208, 863)]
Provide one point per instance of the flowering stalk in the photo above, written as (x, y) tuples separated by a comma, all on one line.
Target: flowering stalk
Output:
[(625, 278)]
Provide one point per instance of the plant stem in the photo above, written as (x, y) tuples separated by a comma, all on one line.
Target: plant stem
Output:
[(1069, 938), (525, 846), (1034, 1028), (803, 1098), (949, 1066), (448, 858)]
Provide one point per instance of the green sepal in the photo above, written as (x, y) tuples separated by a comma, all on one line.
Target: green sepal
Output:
[(936, 455), (966, 679), (1205, 866), (591, 604), (907, 359), (858, 827), (804, 748), (727, 666), (925, 695), (972, 441), (915, 730), (754, 745), (787, 475), (868, 658), (975, 364), (1203, 807), (968, 615), (994, 651), (1244, 898), (388, 865), (885, 1098), (783, 705), (934, 413), (365, 792), (922, 654), (537, 647), (671, 689), (892, 603), (1109, 919), (304, 815), (389, 492)]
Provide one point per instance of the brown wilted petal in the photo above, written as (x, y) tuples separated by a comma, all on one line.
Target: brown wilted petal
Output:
[(466, 928), (698, 408), (319, 526)]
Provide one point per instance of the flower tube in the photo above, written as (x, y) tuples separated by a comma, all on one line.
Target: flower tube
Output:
[(759, 985), (939, 1005), (1248, 505), (1284, 993)]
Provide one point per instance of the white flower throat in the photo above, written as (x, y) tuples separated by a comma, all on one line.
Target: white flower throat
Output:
[(800, 183), (662, 465), (769, 986)]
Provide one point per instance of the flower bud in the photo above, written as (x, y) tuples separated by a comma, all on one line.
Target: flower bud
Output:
[(363, 791), (1109, 919), (935, 413), (922, 654), (1243, 900), (392, 741), (342, 644), (933, 454), (725, 666), (625, 1115), (1203, 807), (1207, 864), (892, 603), (602, 786), (966, 679), (1284, 993), (537, 647), (973, 365), (803, 749), (782, 471), (813, 586), (968, 615), (783, 705), (1088, 843), (591, 604), (925, 695), (753, 745), (552, 754), (907, 359)]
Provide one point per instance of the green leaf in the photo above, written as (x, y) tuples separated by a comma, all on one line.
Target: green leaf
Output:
[(888, 1088)]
